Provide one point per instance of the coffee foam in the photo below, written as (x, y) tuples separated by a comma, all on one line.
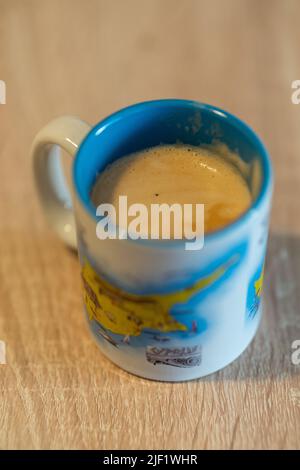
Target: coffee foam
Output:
[(178, 174)]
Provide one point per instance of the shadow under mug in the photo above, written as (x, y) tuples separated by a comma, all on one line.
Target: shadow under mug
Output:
[(154, 308)]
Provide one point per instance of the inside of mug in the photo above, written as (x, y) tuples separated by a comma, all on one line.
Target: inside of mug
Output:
[(169, 122)]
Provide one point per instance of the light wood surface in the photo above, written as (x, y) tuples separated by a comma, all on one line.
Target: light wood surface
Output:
[(89, 58)]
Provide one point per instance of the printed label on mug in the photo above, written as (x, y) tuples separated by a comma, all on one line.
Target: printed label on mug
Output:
[(254, 293), (123, 313)]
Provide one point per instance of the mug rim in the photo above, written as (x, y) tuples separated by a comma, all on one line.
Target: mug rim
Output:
[(241, 126)]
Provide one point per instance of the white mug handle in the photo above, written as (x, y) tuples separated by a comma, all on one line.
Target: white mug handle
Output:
[(66, 132)]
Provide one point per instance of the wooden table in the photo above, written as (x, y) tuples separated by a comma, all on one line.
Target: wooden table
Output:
[(89, 58)]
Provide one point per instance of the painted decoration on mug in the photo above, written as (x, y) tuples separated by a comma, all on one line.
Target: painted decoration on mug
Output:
[(178, 357), (128, 314), (254, 293)]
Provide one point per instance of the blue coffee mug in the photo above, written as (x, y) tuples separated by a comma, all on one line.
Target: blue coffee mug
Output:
[(154, 308)]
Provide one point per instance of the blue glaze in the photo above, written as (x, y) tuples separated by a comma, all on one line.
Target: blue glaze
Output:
[(166, 122)]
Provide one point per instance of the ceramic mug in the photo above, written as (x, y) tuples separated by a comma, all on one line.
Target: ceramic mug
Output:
[(154, 308)]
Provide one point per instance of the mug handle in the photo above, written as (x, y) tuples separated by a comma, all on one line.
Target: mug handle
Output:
[(66, 132)]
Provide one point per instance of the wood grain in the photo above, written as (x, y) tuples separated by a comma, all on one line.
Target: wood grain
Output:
[(89, 58)]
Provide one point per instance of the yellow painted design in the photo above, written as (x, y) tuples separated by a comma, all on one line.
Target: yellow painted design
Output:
[(259, 283), (128, 314)]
